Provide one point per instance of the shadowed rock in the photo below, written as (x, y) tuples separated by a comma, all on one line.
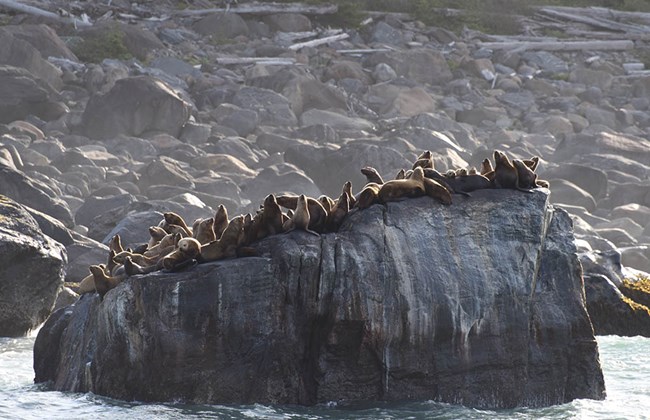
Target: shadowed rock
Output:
[(478, 303), (31, 270)]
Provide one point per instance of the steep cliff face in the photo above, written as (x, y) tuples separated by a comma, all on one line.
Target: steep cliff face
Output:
[(479, 303)]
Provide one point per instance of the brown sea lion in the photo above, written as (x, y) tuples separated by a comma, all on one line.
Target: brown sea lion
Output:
[(368, 196), (400, 189), (87, 284), (271, 216), (162, 247), (137, 258), (347, 188), (505, 174), (156, 233), (532, 163), (425, 160), (103, 282), (486, 166), (131, 268), (203, 231), (401, 174), (372, 175), (226, 246), (436, 190), (220, 221), (461, 184), (338, 213), (172, 218), (115, 244), (301, 219), (317, 214), (327, 202), (526, 178), (188, 249)]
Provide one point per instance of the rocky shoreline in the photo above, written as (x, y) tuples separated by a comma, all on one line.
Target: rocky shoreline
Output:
[(182, 112)]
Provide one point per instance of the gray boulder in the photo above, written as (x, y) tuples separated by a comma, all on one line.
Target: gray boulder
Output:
[(488, 318), (221, 26), (273, 109), (419, 65), (25, 190), (22, 94), (31, 270), (134, 106)]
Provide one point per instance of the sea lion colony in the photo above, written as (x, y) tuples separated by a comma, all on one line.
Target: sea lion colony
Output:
[(174, 245)]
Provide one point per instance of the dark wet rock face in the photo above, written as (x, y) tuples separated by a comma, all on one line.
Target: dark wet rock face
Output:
[(479, 303), (31, 270)]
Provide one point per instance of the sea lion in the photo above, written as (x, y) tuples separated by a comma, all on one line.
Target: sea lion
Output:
[(317, 214), (372, 175), (400, 189), (87, 284), (486, 166), (425, 160), (532, 163), (131, 268), (103, 282), (401, 174), (271, 217), (220, 221), (459, 184), (226, 246), (368, 196), (137, 258), (161, 247), (347, 189), (172, 218), (186, 252), (436, 190), (301, 218), (505, 174), (338, 213), (156, 233), (526, 178), (203, 231), (327, 202), (110, 261), (115, 244)]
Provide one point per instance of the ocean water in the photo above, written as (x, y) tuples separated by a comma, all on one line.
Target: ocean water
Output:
[(625, 361)]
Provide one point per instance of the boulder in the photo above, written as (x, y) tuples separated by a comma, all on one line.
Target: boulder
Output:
[(16, 52), (43, 38), (419, 65), (138, 41), (273, 109), (166, 171), (221, 26), (134, 106), (22, 94), (32, 267), (288, 22), (25, 190), (613, 313), (488, 318), (335, 120), (626, 146)]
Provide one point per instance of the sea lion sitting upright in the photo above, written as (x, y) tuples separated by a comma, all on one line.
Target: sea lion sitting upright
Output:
[(203, 231), (338, 213), (372, 175), (399, 189), (226, 246), (347, 188), (505, 174), (103, 282), (115, 244), (425, 160), (317, 214), (327, 202), (526, 178), (220, 221), (172, 218), (156, 233), (486, 166), (301, 219), (272, 216)]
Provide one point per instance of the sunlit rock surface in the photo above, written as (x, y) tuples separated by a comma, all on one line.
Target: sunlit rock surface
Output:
[(479, 303)]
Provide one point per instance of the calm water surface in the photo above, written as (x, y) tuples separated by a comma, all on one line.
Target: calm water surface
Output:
[(626, 364)]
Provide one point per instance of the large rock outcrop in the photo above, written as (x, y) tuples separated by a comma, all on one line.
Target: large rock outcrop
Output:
[(31, 270), (478, 303)]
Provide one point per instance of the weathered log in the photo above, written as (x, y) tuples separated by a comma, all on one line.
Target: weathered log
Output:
[(256, 60), (606, 13), (266, 9), (364, 50), (561, 46), (317, 42), (595, 22), (11, 4)]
